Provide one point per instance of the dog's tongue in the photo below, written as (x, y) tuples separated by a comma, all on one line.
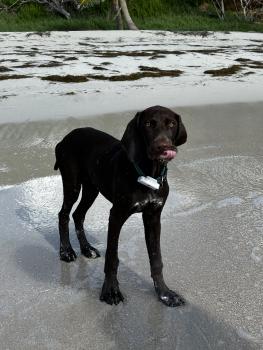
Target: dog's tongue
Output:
[(168, 155)]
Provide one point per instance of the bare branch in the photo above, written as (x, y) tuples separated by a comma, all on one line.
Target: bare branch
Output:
[(250, 9), (220, 8)]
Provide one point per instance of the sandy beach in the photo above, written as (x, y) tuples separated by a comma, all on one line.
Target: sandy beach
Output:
[(211, 225), (62, 75)]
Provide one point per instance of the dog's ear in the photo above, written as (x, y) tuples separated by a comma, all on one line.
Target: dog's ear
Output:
[(131, 139), (181, 134)]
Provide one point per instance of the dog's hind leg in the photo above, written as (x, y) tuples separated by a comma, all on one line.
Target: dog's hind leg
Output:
[(89, 194), (110, 292), (71, 190)]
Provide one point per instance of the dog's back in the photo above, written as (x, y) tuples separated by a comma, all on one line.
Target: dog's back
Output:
[(83, 143)]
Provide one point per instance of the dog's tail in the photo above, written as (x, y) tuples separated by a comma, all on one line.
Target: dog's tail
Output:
[(56, 166)]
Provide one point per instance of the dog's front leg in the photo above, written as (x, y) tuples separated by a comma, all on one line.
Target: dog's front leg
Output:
[(152, 227), (110, 290)]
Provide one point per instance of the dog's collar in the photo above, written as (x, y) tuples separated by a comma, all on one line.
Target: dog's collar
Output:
[(160, 179)]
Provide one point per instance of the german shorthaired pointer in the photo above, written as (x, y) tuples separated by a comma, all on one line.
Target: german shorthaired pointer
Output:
[(132, 175)]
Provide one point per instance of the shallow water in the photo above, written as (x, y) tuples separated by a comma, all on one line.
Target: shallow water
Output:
[(211, 241)]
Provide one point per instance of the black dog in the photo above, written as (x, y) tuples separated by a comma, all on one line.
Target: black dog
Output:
[(98, 162)]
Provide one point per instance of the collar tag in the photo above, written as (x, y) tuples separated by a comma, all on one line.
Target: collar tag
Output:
[(149, 182)]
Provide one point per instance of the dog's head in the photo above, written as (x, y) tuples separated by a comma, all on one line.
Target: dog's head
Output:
[(155, 132)]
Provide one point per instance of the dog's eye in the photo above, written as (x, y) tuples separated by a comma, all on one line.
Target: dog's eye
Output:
[(171, 124), (148, 123)]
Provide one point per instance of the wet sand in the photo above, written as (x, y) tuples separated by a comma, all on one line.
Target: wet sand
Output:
[(211, 241)]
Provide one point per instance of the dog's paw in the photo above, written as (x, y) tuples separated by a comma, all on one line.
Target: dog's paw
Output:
[(170, 298), (67, 254), (111, 293), (90, 252)]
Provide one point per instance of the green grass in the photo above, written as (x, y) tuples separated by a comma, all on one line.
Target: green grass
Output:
[(16, 24), (171, 16), (198, 22)]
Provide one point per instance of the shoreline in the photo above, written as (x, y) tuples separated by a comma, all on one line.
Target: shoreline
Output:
[(33, 108), (27, 148)]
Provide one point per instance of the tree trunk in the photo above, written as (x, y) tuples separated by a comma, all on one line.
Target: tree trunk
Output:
[(117, 14), (220, 8), (244, 7), (223, 8), (127, 16)]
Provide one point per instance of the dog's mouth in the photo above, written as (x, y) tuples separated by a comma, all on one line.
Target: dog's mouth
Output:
[(168, 155)]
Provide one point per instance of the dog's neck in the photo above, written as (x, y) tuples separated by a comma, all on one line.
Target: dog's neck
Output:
[(153, 168)]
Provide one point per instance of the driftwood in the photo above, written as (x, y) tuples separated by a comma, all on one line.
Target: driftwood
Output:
[(53, 5)]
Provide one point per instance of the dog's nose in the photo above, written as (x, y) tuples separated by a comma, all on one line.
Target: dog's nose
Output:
[(162, 146)]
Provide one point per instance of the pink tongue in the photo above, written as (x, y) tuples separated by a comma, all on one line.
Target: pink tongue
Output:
[(169, 154)]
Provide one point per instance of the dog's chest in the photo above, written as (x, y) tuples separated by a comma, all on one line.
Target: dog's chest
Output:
[(149, 202)]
